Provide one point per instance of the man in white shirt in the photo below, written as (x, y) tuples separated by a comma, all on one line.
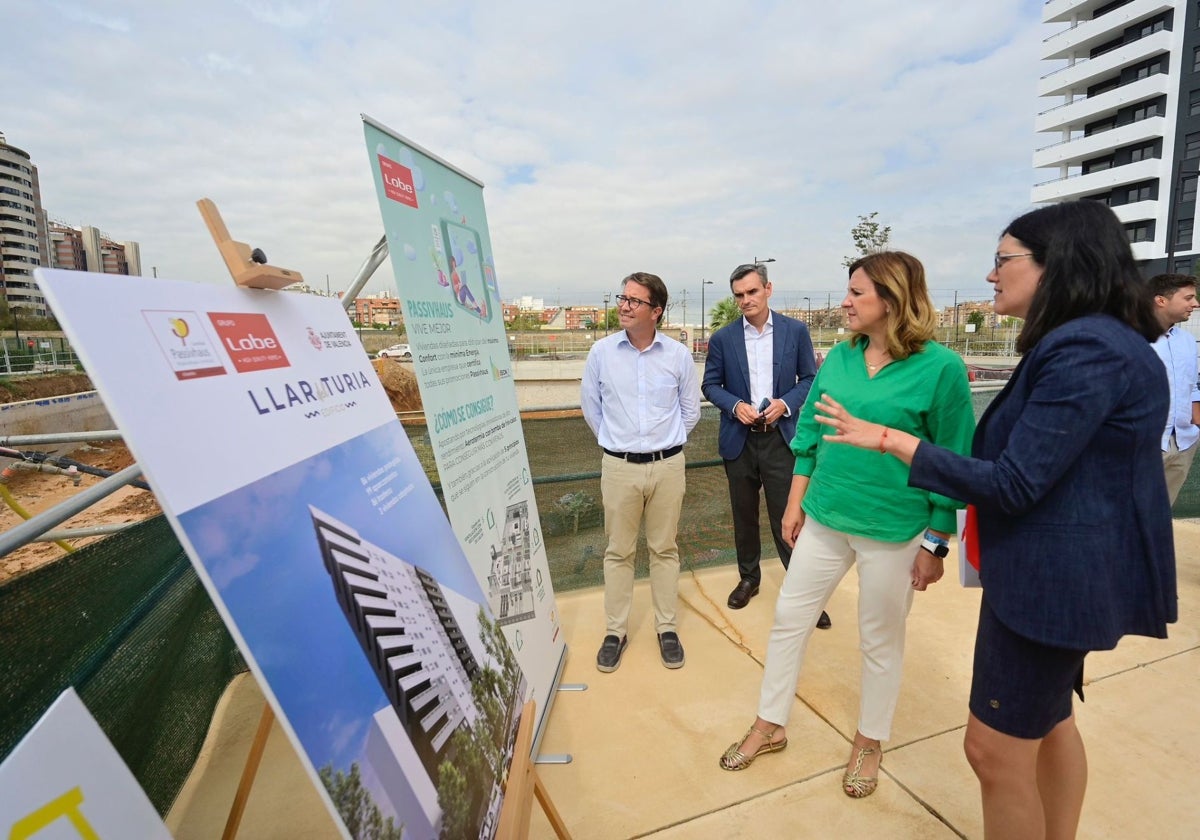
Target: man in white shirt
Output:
[(641, 398), (1174, 301)]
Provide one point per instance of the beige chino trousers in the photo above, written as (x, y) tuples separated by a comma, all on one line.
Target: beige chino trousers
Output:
[(633, 494)]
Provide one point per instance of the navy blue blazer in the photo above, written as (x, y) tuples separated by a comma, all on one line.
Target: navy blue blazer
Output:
[(1075, 537), (727, 377)]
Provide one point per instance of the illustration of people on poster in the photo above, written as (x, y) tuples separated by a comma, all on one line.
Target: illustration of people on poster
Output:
[(277, 456), (437, 234)]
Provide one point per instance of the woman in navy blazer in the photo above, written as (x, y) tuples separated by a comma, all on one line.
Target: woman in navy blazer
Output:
[(1074, 524)]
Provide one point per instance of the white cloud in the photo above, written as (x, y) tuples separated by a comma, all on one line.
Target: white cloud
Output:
[(676, 138)]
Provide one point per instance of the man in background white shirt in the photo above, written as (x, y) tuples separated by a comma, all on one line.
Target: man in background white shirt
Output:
[(1174, 301)]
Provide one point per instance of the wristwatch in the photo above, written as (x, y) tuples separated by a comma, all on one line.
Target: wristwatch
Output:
[(935, 545)]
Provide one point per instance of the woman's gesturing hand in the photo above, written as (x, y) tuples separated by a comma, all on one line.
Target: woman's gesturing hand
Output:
[(846, 428)]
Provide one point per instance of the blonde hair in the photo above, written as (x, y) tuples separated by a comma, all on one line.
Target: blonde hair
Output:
[(899, 280)]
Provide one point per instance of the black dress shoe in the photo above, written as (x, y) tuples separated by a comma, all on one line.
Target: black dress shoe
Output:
[(670, 649), (824, 623), (609, 657), (741, 594)]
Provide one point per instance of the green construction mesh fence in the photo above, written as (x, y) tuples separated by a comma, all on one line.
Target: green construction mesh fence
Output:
[(128, 624)]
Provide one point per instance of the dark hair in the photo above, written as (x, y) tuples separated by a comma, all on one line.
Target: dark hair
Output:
[(749, 268), (658, 289), (1087, 268), (1168, 284), (899, 280)]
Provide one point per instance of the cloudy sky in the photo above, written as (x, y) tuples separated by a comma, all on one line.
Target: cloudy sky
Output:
[(680, 138)]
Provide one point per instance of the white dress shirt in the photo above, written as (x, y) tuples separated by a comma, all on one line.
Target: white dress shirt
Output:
[(640, 400), (760, 355), (1177, 349)]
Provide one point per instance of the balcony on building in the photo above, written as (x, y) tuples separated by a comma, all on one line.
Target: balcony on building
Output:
[(1066, 188), (1087, 71), (1074, 115), (1087, 35)]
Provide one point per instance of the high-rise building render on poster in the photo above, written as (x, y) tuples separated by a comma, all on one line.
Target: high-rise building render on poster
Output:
[(22, 231), (1120, 112)]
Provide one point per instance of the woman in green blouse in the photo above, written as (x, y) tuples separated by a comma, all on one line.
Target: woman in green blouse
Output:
[(851, 506)]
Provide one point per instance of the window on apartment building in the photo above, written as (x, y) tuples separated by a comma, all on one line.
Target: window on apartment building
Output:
[(1196, 60), (1144, 152), (1191, 145), (1139, 192), (1147, 110), (1150, 27), (1187, 188), (1140, 231), (1183, 233), (1194, 103), (1098, 165)]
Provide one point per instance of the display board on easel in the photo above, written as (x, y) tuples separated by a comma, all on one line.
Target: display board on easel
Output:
[(441, 250), (277, 458)]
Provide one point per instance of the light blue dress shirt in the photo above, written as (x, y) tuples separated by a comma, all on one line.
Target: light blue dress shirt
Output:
[(640, 400), (1177, 349)]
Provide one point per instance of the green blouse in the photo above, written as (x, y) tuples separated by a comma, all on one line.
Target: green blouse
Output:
[(862, 491)]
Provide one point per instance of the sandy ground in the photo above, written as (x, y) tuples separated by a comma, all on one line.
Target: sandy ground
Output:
[(38, 492)]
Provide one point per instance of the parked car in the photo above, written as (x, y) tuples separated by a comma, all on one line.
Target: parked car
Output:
[(396, 351)]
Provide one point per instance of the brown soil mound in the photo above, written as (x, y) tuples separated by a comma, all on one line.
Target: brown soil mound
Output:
[(400, 383), (35, 492), (21, 388)]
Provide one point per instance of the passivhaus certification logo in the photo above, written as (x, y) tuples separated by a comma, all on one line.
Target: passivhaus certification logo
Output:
[(185, 343)]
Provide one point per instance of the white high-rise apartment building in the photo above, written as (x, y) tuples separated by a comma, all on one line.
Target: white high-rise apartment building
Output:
[(22, 231), (1121, 118)]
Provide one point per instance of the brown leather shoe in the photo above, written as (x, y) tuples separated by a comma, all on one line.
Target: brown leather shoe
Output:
[(741, 594)]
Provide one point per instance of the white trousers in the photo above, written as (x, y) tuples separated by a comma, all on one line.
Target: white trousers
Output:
[(820, 560)]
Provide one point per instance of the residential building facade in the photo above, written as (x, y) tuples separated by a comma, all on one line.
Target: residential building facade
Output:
[(22, 231), (86, 248), (1121, 118)]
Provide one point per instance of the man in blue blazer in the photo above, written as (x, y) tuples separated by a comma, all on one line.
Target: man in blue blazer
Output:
[(758, 373)]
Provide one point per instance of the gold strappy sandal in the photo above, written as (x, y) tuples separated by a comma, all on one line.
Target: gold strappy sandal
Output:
[(855, 785), (735, 759)]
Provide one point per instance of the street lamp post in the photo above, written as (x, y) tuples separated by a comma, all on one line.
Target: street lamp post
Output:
[(606, 299), (757, 261), (808, 316), (703, 314)]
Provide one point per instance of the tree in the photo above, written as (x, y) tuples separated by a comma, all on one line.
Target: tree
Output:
[(724, 312), (977, 318), (868, 237), (356, 807), (478, 753)]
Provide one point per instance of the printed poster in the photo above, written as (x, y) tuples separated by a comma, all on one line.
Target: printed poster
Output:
[(274, 451), (441, 253), (65, 779)]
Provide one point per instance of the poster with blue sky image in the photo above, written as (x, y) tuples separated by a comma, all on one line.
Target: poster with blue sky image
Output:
[(275, 453)]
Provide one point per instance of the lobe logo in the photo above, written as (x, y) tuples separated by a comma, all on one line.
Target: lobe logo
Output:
[(249, 340), (397, 181)]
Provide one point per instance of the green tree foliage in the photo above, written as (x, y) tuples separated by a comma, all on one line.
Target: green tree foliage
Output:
[(724, 311), (525, 322), (977, 318), (477, 756), (356, 807), (869, 236)]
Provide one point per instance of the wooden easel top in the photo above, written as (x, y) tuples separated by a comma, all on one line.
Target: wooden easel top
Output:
[(237, 255)]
